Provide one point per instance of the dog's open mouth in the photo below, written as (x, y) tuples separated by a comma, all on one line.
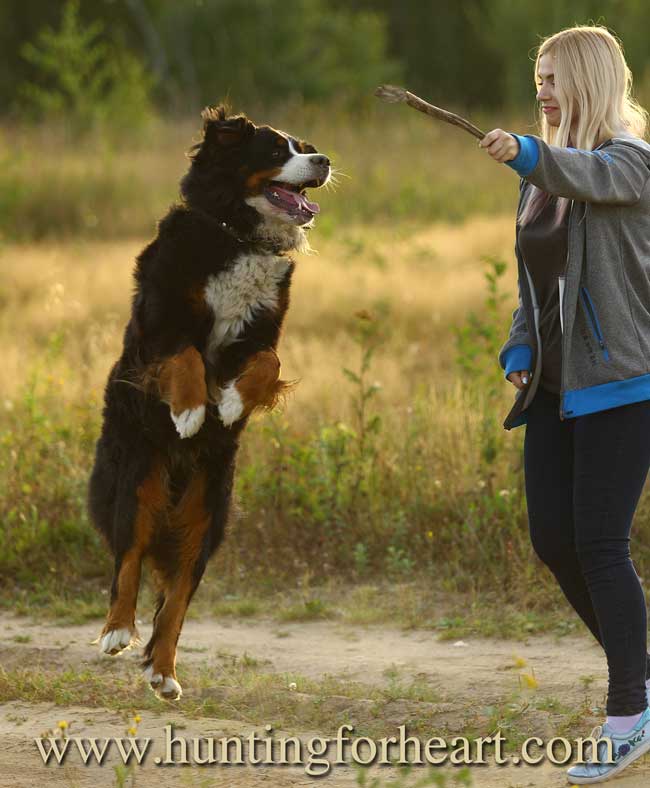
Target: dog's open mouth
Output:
[(291, 199)]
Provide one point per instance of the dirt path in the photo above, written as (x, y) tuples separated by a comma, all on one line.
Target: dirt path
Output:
[(468, 679)]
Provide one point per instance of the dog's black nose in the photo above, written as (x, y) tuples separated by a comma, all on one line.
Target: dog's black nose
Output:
[(321, 160)]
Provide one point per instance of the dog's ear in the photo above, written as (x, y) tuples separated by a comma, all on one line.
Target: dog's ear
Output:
[(221, 131)]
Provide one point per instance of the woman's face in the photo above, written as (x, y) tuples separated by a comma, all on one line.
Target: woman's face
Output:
[(545, 80)]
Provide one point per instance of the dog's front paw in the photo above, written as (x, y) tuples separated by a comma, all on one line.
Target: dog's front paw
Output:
[(189, 422), (231, 407)]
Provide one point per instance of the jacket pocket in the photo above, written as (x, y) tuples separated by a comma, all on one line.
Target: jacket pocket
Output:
[(592, 319)]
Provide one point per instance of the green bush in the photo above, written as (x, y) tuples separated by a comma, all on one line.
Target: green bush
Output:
[(82, 79), (45, 448), (266, 51), (478, 342)]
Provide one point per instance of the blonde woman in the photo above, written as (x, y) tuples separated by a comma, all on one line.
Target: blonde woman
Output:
[(579, 355)]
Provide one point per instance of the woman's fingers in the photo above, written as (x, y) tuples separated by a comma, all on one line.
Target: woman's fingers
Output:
[(500, 145), (490, 137), (519, 379)]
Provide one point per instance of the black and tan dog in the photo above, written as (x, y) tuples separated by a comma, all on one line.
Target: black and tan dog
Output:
[(199, 355)]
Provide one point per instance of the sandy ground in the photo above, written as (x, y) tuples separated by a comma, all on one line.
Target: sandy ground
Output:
[(469, 677)]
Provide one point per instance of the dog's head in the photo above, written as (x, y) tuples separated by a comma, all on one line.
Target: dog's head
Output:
[(241, 171)]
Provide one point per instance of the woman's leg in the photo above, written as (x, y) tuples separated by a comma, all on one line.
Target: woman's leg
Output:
[(548, 468), (548, 461), (611, 460)]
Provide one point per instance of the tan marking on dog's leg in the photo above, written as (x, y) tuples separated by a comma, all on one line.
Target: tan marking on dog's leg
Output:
[(120, 630), (182, 385), (192, 521)]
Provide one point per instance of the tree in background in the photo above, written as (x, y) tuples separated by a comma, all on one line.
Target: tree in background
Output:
[(467, 54), (268, 50), (81, 76), (514, 30), (477, 53)]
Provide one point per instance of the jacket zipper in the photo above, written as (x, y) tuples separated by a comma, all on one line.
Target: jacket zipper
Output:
[(533, 302), (593, 319), (562, 360)]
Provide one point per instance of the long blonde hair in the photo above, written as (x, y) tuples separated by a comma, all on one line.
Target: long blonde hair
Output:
[(594, 82)]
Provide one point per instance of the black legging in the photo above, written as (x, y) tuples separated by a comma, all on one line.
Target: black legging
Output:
[(584, 477)]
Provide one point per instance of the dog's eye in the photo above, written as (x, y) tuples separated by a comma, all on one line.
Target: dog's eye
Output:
[(276, 154)]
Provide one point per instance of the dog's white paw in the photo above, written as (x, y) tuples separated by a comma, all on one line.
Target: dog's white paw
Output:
[(155, 679), (189, 422), (164, 686), (116, 640), (170, 689), (231, 406)]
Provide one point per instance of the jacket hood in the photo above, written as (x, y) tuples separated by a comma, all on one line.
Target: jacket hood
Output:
[(635, 142)]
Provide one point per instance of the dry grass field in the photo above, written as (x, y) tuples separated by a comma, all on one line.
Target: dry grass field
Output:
[(77, 293)]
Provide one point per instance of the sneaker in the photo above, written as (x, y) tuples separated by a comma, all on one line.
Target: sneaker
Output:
[(626, 748)]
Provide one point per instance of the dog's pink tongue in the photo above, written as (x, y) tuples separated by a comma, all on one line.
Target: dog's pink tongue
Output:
[(299, 200), (314, 207)]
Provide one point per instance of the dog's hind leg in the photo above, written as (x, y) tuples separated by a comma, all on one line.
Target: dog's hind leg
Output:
[(197, 528), (135, 514)]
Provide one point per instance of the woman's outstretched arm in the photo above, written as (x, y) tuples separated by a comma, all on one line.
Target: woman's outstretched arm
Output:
[(617, 174)]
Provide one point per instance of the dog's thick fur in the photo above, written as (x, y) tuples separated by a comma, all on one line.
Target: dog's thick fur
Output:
[(199, 355)]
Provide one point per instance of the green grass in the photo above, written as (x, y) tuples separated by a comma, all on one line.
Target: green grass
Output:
[(241, 689), (414, 605), (310, 610), (320, 505), (320, 509)]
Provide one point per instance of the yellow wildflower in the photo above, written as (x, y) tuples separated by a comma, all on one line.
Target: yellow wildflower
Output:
[(529, 681)]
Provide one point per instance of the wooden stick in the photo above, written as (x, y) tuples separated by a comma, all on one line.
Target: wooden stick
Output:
[(393, 95)]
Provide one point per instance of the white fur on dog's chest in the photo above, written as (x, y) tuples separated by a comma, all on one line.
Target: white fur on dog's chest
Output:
[(236, 295)]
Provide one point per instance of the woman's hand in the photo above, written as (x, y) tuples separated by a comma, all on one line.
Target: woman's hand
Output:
[(519, 379), (500, 145)]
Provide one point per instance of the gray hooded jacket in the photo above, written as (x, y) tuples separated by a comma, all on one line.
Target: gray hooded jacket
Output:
[(605, 293)]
